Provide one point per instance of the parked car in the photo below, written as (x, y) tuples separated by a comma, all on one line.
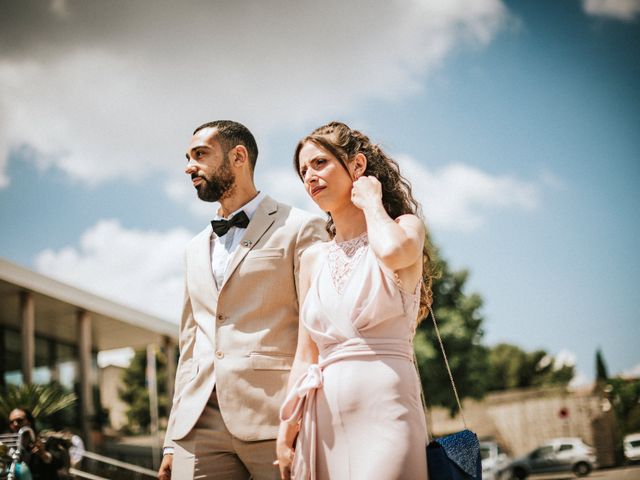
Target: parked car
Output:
[(494, 461), (557, 455), (632, 447)]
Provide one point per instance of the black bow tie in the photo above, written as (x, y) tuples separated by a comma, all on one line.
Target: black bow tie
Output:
[(221, 227)]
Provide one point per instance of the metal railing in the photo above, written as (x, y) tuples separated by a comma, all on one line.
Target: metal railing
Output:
[(116, 463), (11, 442), (81, 474)]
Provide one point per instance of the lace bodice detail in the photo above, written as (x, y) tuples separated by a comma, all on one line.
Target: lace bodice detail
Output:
[(343, 256)]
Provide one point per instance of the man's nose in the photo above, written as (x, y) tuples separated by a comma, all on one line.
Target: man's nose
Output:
[(191, 166)]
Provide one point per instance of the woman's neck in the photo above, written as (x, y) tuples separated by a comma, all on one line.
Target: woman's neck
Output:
[(349, 222)]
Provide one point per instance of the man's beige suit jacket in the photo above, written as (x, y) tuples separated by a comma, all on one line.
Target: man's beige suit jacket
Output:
[(246, 331)]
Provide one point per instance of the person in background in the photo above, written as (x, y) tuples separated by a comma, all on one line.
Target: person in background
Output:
[(44, 458)]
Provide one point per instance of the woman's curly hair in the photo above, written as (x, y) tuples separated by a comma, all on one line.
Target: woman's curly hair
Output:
[(344, 144)]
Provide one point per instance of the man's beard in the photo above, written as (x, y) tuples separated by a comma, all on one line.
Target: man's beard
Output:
[(213, 189)]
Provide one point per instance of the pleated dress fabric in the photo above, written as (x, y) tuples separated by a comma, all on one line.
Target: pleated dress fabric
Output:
[(360, 408)]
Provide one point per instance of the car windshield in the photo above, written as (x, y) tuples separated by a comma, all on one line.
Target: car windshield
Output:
[(542, 451), (635, 443)]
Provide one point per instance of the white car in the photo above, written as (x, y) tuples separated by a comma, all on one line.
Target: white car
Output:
[(632, 447), (494, 461), (557, 455)]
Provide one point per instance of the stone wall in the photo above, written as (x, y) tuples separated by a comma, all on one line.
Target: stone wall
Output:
[(521, 420)]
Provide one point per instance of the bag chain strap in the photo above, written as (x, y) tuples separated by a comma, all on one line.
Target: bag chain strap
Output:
[(446, 362)]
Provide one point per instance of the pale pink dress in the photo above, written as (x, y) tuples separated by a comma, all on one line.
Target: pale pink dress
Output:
[(360, 406)]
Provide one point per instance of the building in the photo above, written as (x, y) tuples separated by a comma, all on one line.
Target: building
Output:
[(51, 331)]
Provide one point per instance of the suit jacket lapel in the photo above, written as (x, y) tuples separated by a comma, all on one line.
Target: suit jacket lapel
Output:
[(262, 219)]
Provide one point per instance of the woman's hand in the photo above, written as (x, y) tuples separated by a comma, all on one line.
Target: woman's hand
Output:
[(366, 192), (285, 453)]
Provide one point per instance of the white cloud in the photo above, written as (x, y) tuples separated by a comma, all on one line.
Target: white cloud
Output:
[(564, 358), (580, 381), (460, 197), (625, 10), (112, 89), (143, 269)]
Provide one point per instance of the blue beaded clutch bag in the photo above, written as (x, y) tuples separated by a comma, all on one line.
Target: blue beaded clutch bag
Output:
[(455, 456)]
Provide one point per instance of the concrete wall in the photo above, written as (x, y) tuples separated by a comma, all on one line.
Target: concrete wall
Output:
[(521, 420)]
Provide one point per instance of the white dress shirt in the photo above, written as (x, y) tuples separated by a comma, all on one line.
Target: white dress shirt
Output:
[(224, 246)]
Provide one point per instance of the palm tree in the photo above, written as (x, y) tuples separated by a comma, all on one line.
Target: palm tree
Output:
[(42, 400)]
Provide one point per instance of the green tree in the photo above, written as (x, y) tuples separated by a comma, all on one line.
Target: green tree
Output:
[(508, 367), (136, 394), (549, 373), (460, 324), (42, 400), (624, 394), (601, 368), (512, 367)]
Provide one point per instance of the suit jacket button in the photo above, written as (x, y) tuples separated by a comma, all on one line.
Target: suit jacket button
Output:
[(220, 317), (219, 354)]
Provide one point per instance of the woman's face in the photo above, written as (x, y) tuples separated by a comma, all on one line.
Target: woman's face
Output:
[(325, 179)]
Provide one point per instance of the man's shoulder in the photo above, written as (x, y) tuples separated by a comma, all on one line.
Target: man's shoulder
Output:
[(293, 214), (202, 236)]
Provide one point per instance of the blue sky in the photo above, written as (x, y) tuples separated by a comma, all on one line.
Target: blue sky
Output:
[(516, 122)]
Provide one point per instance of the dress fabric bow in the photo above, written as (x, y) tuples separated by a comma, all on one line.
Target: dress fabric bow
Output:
[(222, 226)]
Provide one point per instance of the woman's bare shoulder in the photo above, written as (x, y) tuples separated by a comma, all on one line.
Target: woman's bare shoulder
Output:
[(411, 220)]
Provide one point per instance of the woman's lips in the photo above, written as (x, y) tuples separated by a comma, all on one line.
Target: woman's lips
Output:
[(316, 190)]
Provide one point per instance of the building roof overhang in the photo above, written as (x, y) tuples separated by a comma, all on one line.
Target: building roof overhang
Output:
[(57, 304)]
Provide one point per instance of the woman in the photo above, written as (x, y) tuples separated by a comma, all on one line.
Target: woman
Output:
[(354, 394)]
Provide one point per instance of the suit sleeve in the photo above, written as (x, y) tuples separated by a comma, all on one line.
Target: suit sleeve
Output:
[(186, 341), (312, 231)]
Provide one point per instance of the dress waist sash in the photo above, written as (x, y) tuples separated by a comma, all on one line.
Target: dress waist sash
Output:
[(300, 403)]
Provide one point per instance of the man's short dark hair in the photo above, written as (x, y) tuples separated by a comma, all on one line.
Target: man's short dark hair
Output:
[(231, 134)]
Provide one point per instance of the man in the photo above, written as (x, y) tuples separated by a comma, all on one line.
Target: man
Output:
[(240, 317), (44, 459)]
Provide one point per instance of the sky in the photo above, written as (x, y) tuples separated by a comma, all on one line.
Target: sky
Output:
[(515, 121)]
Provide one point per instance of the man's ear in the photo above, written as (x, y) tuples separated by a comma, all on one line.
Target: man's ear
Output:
[(238, 155), (359, 165)]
